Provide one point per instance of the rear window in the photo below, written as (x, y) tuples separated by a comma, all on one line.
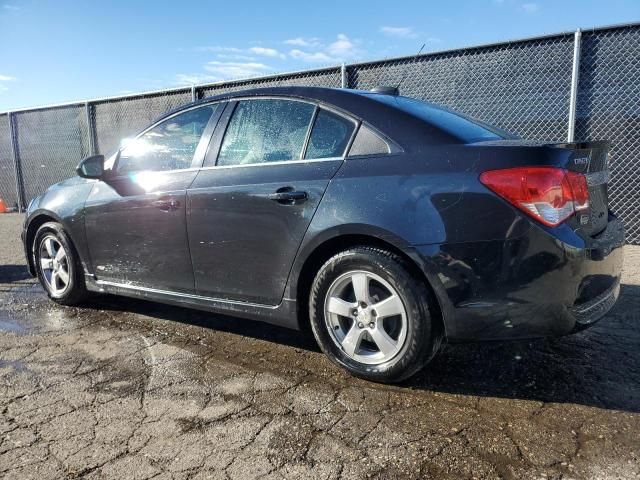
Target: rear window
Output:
[(466, 129)]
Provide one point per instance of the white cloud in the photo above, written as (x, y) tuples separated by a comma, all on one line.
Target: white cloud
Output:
[(311, 57), (241, 53), (218, 49), (5, 78), (267, 52), (343, 48), (195, 78), (234, 56), (303, 42), (399, 32), (530, 7), (228, 70)]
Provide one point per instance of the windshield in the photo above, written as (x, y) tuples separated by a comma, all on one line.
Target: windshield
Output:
[(466, 129)]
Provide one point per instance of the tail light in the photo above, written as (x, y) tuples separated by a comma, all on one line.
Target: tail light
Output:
[(548, 194)]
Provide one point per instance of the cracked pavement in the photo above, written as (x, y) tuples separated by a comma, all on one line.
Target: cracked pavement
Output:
[(130, 389)]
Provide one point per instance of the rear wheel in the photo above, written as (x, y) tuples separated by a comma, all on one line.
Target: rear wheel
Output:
[(58, 266), (370, 315)]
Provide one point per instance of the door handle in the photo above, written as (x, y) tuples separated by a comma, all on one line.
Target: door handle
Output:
[(287, 197), (166, 205)]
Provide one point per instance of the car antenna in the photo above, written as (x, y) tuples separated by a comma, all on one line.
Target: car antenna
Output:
[(406, 69)]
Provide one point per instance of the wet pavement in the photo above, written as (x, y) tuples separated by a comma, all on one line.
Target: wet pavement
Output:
[(132, 389)]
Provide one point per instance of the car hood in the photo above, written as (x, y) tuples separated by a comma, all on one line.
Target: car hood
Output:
[(69, 182)]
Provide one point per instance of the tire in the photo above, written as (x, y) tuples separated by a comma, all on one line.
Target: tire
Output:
[(411, 338), (60, 273)]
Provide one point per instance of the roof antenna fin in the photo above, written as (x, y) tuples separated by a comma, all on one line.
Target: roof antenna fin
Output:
[(406, 68)]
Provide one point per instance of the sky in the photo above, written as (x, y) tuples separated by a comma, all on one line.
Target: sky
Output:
[(58, 51)]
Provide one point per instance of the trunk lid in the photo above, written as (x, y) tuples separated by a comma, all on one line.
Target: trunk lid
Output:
[(592, 160)]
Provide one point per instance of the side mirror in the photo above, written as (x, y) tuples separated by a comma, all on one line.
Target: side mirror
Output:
[(91, 167)]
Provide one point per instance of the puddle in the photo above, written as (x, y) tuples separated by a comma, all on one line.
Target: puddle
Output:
[(18, 366), (13, 326)]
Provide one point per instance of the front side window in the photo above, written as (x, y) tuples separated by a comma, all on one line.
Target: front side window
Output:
[(266, 130), (169, 145), (330, 136)]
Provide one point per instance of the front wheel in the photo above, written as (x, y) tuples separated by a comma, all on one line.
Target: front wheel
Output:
[(370, 315), (58, 266)]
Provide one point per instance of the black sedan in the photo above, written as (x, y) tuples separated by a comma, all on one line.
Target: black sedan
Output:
[(384, 223)]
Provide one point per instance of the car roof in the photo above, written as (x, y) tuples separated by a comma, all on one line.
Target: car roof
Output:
[(398, 125), (338, 97)]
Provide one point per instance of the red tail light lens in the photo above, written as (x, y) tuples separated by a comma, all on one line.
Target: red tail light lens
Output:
[(548, 194)]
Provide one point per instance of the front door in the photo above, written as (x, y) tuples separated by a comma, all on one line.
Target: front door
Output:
[(135, 219), (249, 211)]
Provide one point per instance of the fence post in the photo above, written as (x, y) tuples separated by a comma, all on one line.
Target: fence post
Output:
[(194, 93), (91, 128), (344, 79), (15, 151), (575, 78)]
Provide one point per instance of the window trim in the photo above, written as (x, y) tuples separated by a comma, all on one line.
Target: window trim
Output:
[(201, 148), (225, 119), (307, 137), (279, 162)]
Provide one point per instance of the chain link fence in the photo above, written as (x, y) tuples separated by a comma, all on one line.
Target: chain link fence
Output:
[(608, 107), (50, 143), (114, 120), (522, 86), (8, 184)]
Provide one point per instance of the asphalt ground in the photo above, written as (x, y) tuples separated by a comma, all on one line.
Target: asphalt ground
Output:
[(131, 389)]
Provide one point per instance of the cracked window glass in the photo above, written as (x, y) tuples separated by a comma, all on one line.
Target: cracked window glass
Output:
[(266, 130)]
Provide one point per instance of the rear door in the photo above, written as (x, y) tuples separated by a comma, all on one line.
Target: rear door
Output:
[(135, 219), (250, 206)]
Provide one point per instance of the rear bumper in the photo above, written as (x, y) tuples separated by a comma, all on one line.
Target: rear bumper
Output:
[(591, 311), (543, 283)]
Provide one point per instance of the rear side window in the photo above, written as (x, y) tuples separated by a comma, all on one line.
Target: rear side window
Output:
[(266, 130), (330, 135), (367, 142)]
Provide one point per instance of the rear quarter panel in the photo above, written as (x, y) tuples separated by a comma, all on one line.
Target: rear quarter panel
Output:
[(481, 255), (430, 197)]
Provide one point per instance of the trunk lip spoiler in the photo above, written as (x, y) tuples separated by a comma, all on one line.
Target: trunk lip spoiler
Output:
[(586, 145)]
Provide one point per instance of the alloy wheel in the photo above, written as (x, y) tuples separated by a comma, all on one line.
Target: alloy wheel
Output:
[(366, 317), (54, 263)]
